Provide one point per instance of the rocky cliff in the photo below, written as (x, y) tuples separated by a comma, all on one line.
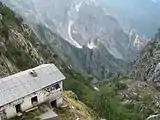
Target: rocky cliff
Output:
[(146, 67), (16, 43)]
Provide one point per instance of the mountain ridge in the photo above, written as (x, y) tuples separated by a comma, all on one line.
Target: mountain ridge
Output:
[(78, 28), (97, 36)]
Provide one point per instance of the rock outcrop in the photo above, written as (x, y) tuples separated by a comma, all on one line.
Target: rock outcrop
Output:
[(146, 67)]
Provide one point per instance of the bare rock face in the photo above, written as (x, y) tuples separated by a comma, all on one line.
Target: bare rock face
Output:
[(147, 66), (6, 67), (19, 49), (155, 79), (3, 48), (1, 17), (154, 117)]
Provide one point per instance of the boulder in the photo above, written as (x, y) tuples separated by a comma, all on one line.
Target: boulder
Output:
[(3, 48)]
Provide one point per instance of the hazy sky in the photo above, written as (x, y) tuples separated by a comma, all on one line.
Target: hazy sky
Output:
[(155, 1)]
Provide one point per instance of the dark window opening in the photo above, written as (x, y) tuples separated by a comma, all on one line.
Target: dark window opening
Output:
[(34, 100), (53, 103), (18, 108), (57, 86)]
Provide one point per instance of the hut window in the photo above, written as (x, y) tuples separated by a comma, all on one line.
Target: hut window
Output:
[(34, 100), (57, 86), (53, 103), (18, 108)]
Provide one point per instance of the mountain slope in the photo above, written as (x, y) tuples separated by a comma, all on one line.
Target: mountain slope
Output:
[(116, 99), (93, 40), (21, 49), (146, 67), (75, 109), (127, 99), (92, 61), (79, 22)]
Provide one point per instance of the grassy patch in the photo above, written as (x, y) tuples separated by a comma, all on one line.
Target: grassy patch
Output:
[(75, 109)]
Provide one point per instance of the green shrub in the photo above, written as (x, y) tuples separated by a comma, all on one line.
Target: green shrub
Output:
[(19, 57), (120, 85)]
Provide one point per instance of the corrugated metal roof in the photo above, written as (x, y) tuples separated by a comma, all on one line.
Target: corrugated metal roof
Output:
[(23, 83)]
